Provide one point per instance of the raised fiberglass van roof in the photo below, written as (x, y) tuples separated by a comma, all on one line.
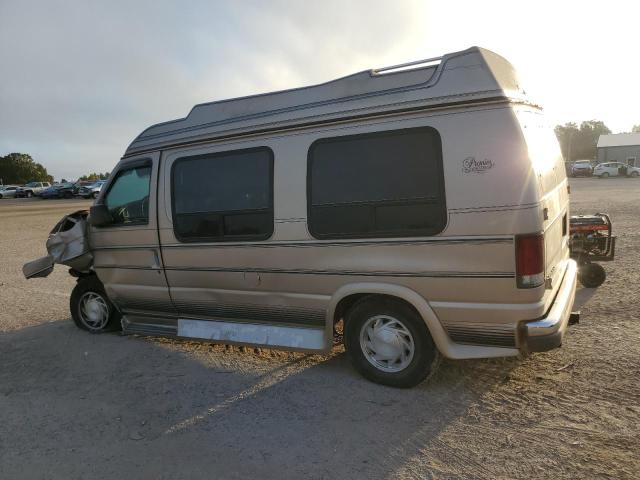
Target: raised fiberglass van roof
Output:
[(469, 76)]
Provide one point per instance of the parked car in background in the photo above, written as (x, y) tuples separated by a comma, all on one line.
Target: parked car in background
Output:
[(615, 169), (8, 191), (32, 189), (91, 191), (581, 168), (79, 184), (63, 190)]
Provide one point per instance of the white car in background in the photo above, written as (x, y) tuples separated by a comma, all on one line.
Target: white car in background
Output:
[(8, 191), (615, 169)]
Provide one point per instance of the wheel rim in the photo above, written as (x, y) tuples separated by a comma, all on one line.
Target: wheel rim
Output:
[(387, 343), (93, 311)]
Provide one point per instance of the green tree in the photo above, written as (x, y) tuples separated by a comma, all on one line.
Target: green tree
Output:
[(94, 176), (566, 134), (20, 168), (580, 143)]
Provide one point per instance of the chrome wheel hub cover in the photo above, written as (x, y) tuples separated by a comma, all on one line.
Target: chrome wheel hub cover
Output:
[(387, 343), (94, 311)]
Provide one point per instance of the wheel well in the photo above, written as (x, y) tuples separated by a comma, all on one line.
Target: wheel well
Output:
[(78, 274), (345, 304)]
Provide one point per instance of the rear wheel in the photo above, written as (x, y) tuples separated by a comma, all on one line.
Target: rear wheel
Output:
[(91, 309), (388, 343), (592, 275), (94, 195), (605, 175), (634, 174), (29, 194)]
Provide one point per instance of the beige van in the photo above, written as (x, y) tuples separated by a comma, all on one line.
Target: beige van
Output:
[(423, 205)]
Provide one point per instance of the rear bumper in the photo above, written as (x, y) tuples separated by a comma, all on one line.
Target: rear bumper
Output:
[(546, 333)]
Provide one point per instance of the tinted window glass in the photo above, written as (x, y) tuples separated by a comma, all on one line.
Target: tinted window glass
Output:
[(382, 184), (223, 196), (128, 196)]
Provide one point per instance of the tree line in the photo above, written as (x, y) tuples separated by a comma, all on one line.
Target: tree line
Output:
[(580, 143), (94, 176), (21, 168)]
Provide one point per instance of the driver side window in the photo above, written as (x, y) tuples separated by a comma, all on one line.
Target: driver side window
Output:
[(128, 197)]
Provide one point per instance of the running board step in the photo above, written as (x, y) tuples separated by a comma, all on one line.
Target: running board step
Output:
[(134, 328), (295, 338)]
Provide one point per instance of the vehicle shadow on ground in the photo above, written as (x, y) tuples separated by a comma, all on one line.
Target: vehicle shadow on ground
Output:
[(105, 406), (583, 295)]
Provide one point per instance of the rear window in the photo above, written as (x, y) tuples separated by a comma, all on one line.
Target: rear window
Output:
[(374, 185)]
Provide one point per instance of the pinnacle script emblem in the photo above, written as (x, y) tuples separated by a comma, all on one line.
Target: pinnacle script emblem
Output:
[(471, 165)]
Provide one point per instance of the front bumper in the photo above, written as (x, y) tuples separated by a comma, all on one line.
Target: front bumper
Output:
[(546, 333)]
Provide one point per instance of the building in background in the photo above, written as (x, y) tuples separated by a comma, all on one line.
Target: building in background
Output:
[(620, 147)]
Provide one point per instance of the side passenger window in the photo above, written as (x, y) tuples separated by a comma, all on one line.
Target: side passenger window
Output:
[(224, 196), (382, 184), (128, 196)]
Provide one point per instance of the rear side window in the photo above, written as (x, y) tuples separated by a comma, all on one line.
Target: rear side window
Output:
[(377, 185), (223, 196)]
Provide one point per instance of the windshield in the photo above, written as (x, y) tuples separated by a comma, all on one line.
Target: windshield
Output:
[(32, 184)]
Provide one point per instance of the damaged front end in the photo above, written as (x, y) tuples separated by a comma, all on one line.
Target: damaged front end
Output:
[(68, 244)]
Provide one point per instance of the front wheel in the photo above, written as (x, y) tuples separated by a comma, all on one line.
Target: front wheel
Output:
[(94, 195), (389, 343), (29, 194), (633, 174), (605, 175), (91, 309)]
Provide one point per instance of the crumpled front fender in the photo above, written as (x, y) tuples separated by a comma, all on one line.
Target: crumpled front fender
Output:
[(68, 244)]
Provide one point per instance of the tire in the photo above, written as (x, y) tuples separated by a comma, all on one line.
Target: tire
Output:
[(29, 194), (592, 275), (633, 174), (91, 309), (94, 195), (405, 369), (68, 195), (605, 175), (0, 196)]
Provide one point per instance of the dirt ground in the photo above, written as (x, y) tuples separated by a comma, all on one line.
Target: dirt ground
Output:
[(75, 405)]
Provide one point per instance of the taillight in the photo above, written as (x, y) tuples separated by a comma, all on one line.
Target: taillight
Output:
[(529, 260)]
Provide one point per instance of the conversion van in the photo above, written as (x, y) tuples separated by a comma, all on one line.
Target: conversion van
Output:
[(423, 207)]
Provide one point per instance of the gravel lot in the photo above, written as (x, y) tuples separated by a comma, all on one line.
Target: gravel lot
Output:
[(76, 405)]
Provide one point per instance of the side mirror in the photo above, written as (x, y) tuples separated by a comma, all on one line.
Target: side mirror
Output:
[(99, 215)]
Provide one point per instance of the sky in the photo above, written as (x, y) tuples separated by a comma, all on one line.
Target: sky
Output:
[(79, 80)]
